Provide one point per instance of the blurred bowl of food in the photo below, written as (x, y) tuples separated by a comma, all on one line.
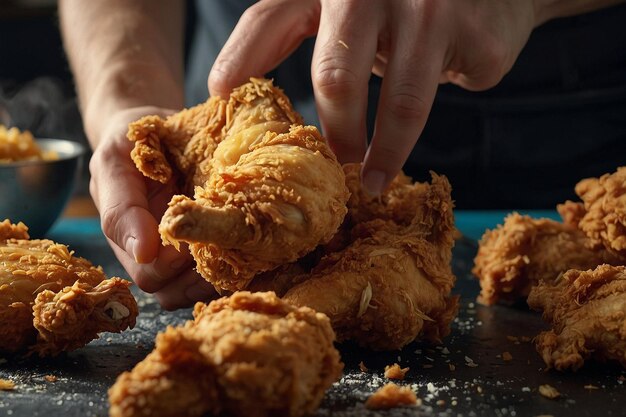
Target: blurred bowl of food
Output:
[(37, 178)]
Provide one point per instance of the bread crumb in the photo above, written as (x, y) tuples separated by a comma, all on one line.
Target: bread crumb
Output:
[(391, 396), (395, 372), (50, 378), (506, 356), (362, 367), (6, 385), (452, 367), (514, 339), (342, 43), (549, 391), (590, 386)]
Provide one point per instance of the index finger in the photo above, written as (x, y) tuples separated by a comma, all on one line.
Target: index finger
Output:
[(408, 90), (265, 35), (342, 62)]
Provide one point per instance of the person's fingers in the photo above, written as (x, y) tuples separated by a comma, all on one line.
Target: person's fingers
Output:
[(185, 290), (120, 195), (128, 203), (265, 35), (152, 277), (344, 54), (408, 90)]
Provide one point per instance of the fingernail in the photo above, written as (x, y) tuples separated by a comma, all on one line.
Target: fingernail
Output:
[(200, 291), (373, 182), (131, 248)]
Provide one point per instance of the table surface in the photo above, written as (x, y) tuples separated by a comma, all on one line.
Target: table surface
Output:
[(479, 382)]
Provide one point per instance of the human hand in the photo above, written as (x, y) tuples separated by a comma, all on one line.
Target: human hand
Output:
[(414, 44), (130, 207)]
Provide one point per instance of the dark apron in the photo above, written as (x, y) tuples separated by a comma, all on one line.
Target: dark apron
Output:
[(557, 117)]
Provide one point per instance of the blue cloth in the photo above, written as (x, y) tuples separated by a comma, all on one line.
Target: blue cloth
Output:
[(472, 225)]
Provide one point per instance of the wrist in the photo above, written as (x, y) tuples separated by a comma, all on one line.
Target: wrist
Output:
[(126, 86)]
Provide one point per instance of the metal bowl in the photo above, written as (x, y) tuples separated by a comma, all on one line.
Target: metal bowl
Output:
[(36, 192)]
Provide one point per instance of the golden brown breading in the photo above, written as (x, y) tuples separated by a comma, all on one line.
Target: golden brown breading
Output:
[(587, 310), (392, 282), (179, 145), (245, 355), (52, 301), (391, 396), (524, 251), (604, 201), (268, 190)]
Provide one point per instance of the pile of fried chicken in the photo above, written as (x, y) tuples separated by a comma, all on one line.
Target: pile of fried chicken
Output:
[(265, 207), (272, 209), (52, 301), (572, 271)]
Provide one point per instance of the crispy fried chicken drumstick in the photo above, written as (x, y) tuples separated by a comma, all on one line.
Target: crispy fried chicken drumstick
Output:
[(391, 282), (267, 189), (524, 251), (587, 310), (247, 355), (52, 301)]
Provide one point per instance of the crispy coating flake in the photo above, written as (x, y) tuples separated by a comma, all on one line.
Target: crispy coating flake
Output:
[(391, 396), (604, 201)]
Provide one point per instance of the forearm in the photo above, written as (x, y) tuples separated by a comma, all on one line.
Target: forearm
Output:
[(550, 9), (123, 54)]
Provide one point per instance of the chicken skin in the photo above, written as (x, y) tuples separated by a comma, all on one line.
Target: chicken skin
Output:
[(267, 189), (587, 310), (392, 282), (245, 355), (524, 251), (52, 301), (604, 216)]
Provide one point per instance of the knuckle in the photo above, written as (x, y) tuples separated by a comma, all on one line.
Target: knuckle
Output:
[(109, 219), (334, 80), (405, 104)]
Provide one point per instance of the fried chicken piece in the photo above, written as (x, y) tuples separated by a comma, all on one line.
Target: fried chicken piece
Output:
[(267, 193), (392, 283), (525, 251), (399, 202), (245, 355), (52, 301), (604, 202), (587, 310), (180, 145)]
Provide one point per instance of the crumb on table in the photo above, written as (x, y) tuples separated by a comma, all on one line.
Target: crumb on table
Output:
[(391, 396), (395, 372), (6, 385), (549, 391)]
